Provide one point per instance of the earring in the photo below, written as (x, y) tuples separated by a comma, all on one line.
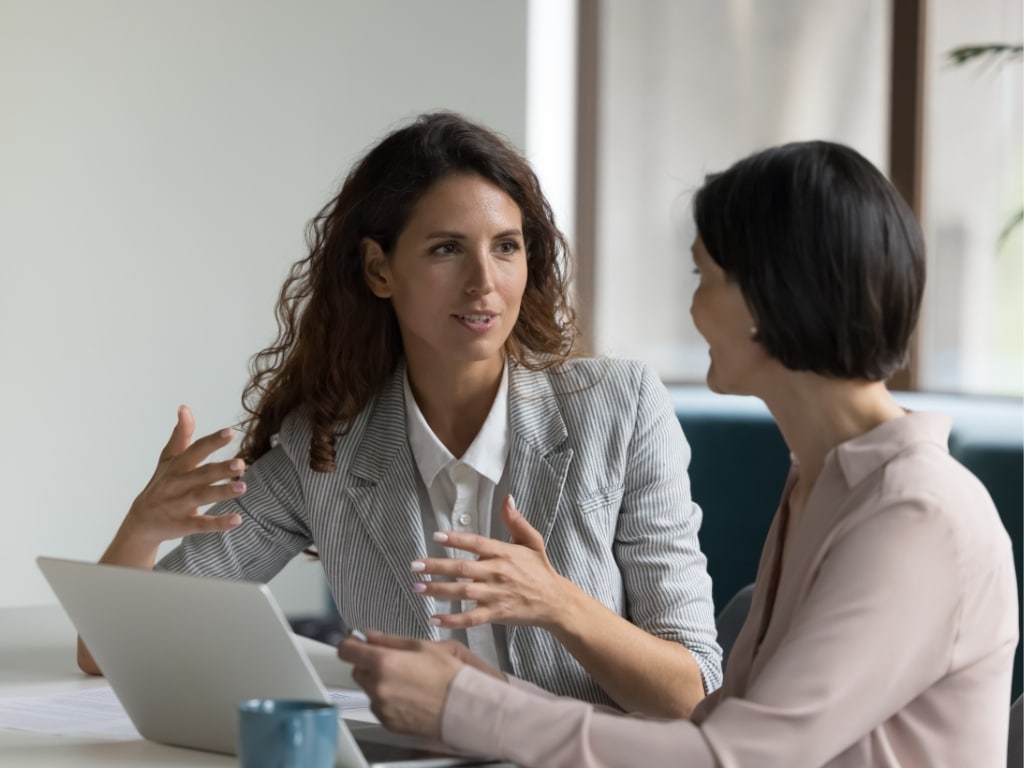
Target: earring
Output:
[(753, 331)]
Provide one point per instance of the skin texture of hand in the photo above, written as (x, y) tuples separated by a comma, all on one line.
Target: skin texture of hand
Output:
[(407, 680), (512, 583), (168, 507)]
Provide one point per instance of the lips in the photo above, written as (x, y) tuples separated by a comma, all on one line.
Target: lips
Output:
[(477, 318)]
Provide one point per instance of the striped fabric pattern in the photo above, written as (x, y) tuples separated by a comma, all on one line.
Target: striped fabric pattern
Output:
[(597, 464)]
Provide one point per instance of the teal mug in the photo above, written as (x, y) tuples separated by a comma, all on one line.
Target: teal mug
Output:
[(287, 733)]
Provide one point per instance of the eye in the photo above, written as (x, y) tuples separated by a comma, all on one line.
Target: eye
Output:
[(508, 247), (445, 249)]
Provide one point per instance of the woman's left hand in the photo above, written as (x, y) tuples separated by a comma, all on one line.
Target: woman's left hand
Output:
[(407, 680), (511, 583)]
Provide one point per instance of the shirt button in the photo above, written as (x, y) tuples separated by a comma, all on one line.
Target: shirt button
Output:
[(465, 519)]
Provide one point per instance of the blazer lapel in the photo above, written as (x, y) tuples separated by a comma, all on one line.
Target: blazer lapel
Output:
[(382, 487), (539, 456)]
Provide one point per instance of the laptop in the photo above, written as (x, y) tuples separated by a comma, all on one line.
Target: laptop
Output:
[(180, 652)]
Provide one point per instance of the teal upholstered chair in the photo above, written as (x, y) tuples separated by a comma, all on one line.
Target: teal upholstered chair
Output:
[(1001, 469), (738, 467)]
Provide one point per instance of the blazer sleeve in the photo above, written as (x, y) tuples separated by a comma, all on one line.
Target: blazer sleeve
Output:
[(664, 571), (272, 532)]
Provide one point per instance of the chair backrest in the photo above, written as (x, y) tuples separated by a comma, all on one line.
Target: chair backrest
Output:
[(731, 618), (738, 466), (1015, 754)]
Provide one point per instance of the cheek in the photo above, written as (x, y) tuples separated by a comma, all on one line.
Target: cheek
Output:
[(513, 284), (697, 312)]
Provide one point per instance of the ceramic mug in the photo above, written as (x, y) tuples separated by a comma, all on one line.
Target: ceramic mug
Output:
[(287, 733)]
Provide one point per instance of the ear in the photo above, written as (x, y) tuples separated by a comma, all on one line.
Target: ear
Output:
[(376, 270)]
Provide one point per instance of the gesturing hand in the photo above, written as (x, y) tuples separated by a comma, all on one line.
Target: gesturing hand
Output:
[(511, 583), (168, 506)]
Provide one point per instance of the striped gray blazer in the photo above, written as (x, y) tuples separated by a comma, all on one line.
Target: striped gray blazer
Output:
[(597, 463)]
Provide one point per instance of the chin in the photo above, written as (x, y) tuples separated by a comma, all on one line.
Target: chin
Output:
[(715, 384), (711, 380), (714, 387)]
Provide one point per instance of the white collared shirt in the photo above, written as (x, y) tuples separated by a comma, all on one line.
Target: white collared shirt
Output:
[(464, 494)]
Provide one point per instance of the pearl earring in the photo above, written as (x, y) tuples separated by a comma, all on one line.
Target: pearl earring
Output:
[(753, 331)]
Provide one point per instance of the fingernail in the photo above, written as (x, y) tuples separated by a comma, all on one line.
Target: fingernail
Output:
[(235, 521), (238, 487), (434, 622), (237, 465), (417, 565), (440, 536), (226, 432), (512, 501), (419, 586)]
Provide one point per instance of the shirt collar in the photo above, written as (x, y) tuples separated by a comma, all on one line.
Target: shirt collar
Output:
[(487, 453), (859, 457)]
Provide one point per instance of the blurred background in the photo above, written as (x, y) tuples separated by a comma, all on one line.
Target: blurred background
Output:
[(159, 160)]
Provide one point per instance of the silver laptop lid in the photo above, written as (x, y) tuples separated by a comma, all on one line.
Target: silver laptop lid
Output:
[(181, 651)]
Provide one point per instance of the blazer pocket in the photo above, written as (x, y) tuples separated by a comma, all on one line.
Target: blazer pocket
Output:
[(604, 498)]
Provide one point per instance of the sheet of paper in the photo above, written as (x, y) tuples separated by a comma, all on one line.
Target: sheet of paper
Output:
[(91, 712), (96, 712)]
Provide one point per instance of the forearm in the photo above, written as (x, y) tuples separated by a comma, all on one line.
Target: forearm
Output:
[(640, 672), (129, 550), (486, 717)]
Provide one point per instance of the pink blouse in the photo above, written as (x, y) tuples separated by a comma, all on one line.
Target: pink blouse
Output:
[(882, 637)]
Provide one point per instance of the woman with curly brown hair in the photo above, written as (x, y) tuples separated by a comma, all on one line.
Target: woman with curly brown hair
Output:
[(426, 371)]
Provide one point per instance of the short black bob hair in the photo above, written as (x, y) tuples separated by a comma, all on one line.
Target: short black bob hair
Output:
[(828, 256)]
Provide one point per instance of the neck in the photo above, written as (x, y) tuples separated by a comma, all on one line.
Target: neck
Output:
[(455, 402), (815, 414)]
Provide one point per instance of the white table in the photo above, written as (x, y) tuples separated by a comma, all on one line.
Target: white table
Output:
[(37, 657)]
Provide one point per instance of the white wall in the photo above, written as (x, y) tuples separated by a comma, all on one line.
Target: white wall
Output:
[(158, 162)]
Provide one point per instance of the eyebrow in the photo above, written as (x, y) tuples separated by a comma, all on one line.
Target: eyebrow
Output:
[(451, 235)]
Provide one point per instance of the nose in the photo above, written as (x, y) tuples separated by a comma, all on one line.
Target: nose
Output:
[(479, 273)]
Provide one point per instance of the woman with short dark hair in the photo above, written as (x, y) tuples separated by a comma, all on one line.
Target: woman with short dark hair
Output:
[(883, 622), (826, 253)]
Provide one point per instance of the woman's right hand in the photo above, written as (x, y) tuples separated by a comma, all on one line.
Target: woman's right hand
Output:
[(168, 507)]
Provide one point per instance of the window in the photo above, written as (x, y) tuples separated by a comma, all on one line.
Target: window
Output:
[(972, 327), (685, 87)]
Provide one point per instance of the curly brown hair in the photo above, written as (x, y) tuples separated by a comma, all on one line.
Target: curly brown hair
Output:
[(337, 343)]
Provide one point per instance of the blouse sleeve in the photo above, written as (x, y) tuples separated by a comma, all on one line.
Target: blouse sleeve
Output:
[(485, 716)]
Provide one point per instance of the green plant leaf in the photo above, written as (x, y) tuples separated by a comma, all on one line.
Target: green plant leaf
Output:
[(1011, 225), (967, 53)]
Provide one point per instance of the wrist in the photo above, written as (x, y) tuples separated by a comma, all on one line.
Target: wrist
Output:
[(567, 610), (132, 545)]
